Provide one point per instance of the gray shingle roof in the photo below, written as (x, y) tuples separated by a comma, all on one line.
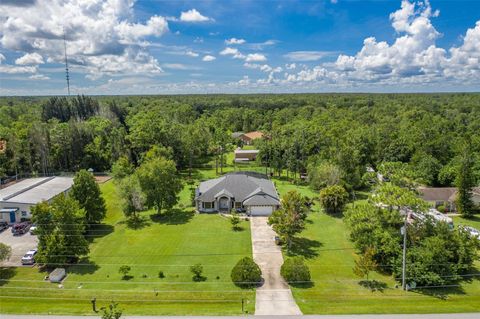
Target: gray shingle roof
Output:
[(242, 185)]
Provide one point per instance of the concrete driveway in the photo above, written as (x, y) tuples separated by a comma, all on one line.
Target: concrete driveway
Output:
[(19, 244), (274, 297)]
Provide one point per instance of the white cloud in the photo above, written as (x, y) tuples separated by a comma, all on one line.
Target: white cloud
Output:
[(233, 52), (97, 32), (198, 40), (235, 41), (192, 54), (290, 66), (255, 57), (39, 77), (306, 55), (208, 58), (193, 15), (334, 1), (30, 58), (11, 69)]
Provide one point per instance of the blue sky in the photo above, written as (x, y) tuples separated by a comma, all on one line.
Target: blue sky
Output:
[(163, 47)]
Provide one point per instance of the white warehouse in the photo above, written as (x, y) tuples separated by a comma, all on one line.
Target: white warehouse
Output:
[(17, 199)]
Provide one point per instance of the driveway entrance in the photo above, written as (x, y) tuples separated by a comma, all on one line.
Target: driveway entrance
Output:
[(274, 297)]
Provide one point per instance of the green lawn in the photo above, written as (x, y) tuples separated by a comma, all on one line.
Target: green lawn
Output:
[(170, 245), (473, 222), (336, 290)]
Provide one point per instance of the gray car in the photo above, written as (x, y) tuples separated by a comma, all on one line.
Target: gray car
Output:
[(29, 258)]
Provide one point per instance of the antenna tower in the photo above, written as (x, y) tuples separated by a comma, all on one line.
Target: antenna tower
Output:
[(66, 61)]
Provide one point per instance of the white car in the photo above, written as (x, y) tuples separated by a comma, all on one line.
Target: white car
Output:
[(472, 231), (29, 258), (33, 229)]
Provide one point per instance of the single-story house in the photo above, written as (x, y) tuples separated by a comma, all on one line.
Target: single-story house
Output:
[(248, 138), (16, 200), (245, 155), (251, 191), (237, 134), (445, 196)]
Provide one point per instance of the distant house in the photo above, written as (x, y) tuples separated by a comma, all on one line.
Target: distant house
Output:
[(248, 138), (17, 199), (237, 134), (245, 155), (249, 191), (445, 196)]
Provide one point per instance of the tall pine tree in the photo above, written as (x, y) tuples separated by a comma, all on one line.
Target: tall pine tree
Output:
[(465, 182)]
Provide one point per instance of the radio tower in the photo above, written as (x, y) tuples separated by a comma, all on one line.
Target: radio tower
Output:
[(66, 61)]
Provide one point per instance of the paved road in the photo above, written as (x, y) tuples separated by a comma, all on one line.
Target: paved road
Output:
[(410, 316), (20, 245), (274, 297)]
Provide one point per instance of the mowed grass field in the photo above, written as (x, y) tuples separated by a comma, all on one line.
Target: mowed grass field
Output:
[(336, 289), (170, 245)]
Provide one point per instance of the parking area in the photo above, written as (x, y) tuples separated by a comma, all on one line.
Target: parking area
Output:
[(20, 245)]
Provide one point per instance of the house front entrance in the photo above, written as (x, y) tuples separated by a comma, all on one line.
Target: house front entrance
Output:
[(224, 203)]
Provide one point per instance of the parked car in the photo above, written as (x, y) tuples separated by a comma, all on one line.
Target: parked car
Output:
[(3, 226), (20, 228), (475, 233), (29, 258), (33, 229)]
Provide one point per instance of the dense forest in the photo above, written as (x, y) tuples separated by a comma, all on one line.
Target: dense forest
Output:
[(425, 132)]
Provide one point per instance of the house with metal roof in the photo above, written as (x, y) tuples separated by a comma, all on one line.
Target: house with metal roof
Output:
[(17, 199), (249, 191)]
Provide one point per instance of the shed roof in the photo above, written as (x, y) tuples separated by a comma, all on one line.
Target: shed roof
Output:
[(35, 190)]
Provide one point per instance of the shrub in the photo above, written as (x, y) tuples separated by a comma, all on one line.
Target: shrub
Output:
[(234, 220), (161, 275), (333, 199), (124, 270), (295, 271), (197, 270), (246, 273), (441, 208)]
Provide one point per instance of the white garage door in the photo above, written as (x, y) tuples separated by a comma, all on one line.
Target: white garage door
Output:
[(261, 210)]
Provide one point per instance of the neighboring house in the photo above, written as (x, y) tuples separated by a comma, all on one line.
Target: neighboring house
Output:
[(445, 196), (245, 155), (250, 191), (237, 134), (17, 199), (248, 138)]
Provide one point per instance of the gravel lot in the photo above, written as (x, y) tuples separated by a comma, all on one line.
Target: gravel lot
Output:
[(20, 245)]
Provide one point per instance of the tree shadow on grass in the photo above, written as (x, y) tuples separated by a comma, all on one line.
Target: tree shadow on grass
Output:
[(98, 231), (441, 293), (84, 267), (304, 247), (373, 285), (302, 285), (199, 278), (6, 273), (238, 229), (138, 222), (173, 217)]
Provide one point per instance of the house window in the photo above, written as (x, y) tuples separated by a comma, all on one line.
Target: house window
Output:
[(238, 204), (207, 205), (24, 213)]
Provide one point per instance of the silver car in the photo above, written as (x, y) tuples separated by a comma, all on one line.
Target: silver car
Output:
[(29, 258), (475, 233)]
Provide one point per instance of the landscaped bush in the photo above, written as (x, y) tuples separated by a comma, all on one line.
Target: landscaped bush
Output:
[(124, 270), (161, 275), (246, 273), (197, 271), (441, 208), (295, 271)]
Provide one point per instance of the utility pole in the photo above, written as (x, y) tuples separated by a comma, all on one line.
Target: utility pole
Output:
[(404, 261)]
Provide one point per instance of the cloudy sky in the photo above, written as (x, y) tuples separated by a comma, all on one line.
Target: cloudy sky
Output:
[(207, 46)]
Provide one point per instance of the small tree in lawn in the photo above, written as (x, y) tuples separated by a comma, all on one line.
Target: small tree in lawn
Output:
[(132, 196), (290, 218), (333, 198), (5, 252), (160, 183), (365, 264), (87, 193), (235, 220), (122, 168), (124, 270), (197, 271)]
